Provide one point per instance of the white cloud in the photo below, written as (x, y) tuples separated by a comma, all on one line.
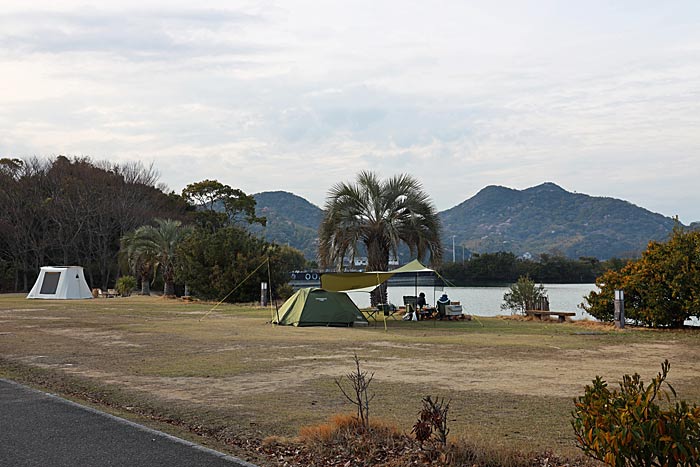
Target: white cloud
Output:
[(601, 98)]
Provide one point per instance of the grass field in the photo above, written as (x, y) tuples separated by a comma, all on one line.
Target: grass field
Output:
[(234, 377)]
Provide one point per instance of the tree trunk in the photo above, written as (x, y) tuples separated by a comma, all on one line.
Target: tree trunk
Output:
[(169, 280), (379, 295), (145, 285), (169, 290), (377, 260)]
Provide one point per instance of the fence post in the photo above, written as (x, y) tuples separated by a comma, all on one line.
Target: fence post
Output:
[(619, 309), (263, 294)]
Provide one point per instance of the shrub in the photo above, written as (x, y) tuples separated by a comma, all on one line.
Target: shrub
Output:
[(523, 295), (432, 421), (125, 285), (628, 428), (284, 291)]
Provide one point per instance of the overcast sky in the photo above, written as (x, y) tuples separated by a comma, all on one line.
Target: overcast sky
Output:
[(600, 97)]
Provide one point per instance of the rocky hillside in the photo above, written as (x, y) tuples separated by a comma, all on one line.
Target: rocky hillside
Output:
[(290, 220), (549, 219)]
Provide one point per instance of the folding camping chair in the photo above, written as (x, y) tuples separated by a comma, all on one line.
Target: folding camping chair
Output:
[(371, 313), (386, 308)]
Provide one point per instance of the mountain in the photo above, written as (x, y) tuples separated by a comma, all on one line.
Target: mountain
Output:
[(291, 220), (542, 219), (548, 219)]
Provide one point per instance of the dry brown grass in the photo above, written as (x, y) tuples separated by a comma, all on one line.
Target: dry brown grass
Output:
[(344, 441), (346, 430), (238, 379)]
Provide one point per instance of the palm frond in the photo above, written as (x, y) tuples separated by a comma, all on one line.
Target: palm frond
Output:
[(381, 215)]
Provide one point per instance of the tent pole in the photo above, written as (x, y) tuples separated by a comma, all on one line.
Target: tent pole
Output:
[(415, 288), (415, 294), (269, 280)]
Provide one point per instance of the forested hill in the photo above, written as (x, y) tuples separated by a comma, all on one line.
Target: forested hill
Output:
[(548, 219), (541, 219), (290, 220)]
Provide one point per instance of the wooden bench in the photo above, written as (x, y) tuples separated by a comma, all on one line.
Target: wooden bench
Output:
[(561, 315), (111, 293)]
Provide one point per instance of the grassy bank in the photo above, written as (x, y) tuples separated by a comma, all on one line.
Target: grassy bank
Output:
[(236, 379)]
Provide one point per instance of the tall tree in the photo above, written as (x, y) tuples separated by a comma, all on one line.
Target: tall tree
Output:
[(214, 263), (218, 205), (379, 214)]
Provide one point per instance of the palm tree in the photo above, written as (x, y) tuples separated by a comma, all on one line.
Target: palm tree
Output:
[(138, 254), (156, 247), (380, 215)]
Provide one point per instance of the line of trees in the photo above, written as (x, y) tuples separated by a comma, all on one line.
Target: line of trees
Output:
[(73, 211), (506, 268), (116, 220)]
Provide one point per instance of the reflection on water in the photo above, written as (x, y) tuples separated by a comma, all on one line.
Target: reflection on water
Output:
[(486, 301)]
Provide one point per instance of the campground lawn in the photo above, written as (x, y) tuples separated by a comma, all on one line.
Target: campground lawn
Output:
[(232, 379)]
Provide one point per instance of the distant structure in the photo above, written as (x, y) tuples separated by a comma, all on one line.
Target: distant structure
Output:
[(360, 262)]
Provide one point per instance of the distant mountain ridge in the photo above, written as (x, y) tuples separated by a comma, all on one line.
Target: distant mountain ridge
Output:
[(548, 219), (291, 220), (541, 219)]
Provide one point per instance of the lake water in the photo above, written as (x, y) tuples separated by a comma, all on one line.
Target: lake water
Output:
[(486, 301)]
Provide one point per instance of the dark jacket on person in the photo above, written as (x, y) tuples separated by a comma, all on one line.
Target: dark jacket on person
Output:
[(441, 305)]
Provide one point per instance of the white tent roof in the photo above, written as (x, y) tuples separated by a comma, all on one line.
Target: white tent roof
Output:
[(60, 282)]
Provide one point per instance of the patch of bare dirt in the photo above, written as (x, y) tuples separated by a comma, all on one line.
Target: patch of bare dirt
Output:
[(544, 375), (94, 336), (21, 310)]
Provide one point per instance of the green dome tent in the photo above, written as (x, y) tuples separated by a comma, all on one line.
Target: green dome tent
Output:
[(318, 307)]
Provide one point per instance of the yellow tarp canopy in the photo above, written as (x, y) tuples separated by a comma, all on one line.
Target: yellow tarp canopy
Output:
[(366, 281)]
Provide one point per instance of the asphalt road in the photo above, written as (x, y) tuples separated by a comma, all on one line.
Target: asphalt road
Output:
[(43, 430)]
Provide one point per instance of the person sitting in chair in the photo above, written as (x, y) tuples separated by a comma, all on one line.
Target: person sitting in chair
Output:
[(420, 301), (421, 306), (441, 305)]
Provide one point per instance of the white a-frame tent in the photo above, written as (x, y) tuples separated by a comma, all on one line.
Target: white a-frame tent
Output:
[(60, 282)]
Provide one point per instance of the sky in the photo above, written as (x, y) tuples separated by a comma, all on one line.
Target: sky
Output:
[(599, 97)]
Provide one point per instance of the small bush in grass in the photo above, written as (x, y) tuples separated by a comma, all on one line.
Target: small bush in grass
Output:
[(432, 426), (523, 295), (432, 421), (628, 428), (125, 285)]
